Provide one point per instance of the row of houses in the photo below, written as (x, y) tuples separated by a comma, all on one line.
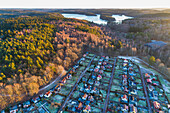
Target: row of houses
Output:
[(129, 95), (157, 97), (90, 92)]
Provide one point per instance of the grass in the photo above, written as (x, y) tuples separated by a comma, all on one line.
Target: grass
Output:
[(142, 103)]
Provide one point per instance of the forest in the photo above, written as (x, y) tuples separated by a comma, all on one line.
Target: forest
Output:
[(36, 49)]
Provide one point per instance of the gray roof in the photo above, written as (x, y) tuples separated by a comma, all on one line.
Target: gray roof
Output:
[(156, 44)]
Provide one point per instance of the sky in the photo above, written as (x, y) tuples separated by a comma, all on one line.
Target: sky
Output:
[(84, 3)]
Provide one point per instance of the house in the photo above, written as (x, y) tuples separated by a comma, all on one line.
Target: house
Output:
[(97, 83), (103, 67), (155, 45), (124, 76), (130, 68), (90, 81), (133, 92), (133, 109), (93, 76), (84, 55), (124, 82), (99, 63), (57, 88), (132, 84), (124, 99), (154, 78), (26, 104), (100, 60), (41, 95), (147, 75), (80, 106), (88, 89), (48, 94), (76, 66), (168, 106), (85, 96), (133, 100), (149, 81), (69, 76), (35, 100), (150, 87), (14, 109), (98, 66), (155, 95), (125, 89), (124, 108), (156, 105), (87, 109), (130, 64), (104, 63), (94, 90), (107, 57), (103, 57), (124, 64), (63, 81), (125, 60), (155, 84), (96, 70), (90, 98), (131, 78), (82, 59), (106, 60), (131, 73), (101, 72), (99, 77)]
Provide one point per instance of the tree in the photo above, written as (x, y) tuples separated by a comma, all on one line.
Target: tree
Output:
[(33, 88), (152, 60), (38, 64)]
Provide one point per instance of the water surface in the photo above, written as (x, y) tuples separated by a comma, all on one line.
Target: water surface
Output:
[(96, 19)]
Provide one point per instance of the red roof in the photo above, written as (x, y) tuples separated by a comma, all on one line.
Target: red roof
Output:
[(149, 81), (156, 104), (147, 75), (124, 97), (155, 84), (48, 93)]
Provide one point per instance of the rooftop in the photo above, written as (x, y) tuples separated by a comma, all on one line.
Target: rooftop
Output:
[(156, 44)]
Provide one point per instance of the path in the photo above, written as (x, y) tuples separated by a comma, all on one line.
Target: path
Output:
[(109, 88)]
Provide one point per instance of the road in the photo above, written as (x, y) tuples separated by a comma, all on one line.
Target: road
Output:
[(75, 85), (109, 88), (52, 83)]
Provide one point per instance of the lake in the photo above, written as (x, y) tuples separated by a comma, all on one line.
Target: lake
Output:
[(96, 19)]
